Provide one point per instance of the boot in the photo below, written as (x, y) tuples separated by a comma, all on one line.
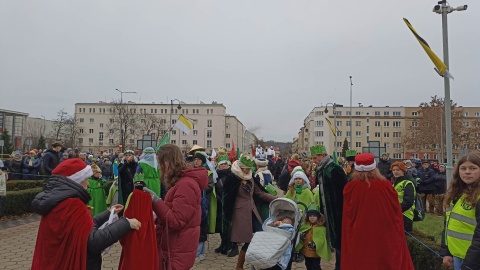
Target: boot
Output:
[(241, 260), (221, 249), (234, 251)]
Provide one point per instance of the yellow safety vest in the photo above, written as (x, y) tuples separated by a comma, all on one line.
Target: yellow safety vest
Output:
[(461, 224), (400, 188)]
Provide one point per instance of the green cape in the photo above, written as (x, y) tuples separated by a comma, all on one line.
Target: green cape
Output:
[(320, 240), (306, 197), (97, 193), (151, 177)]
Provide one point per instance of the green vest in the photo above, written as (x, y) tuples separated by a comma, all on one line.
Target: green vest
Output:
[(461, 224), (400, 188)]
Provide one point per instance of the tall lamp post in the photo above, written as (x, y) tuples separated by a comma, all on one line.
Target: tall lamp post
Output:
[(443, 8), (351, 123), (121, 116), (43, 124), (171, 110), (334, 105)]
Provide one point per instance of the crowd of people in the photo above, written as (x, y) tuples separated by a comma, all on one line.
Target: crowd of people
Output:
[(165, 199)]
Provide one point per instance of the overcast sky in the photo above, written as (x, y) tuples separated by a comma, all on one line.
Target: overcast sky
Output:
[(268, 61)]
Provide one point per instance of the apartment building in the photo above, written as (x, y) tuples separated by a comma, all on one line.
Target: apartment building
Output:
[(99, 125), (389, 126)]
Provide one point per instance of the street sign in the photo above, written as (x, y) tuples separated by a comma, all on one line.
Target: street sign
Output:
[(2, 143), (29, 142)]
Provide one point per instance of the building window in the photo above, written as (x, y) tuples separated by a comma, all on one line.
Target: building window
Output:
[(81, 120), (319, 123), (101, 125), (318, 113), (348, 113), (227, 136), (386, 123), (339, 123), (184, 142), (466, 124), (195, 142), (318, 133), (377, 123), (110, 141), (414, 124), (80, 140), (195, 133), (377, 135), (358, 144), (209, 144), (112, 120), (80, 130), (174, 132), (386, 113), (377, 113), (111, 131), (132, 131), (398, 135), (173, 142), (387, 145), (358, 133), (339, 133), (90, 130), (209, 134), (142, 121), (358, 113), (386, 134), (209, 123), (348, 133), (397, 123), (100, 136), (227, 145), (397, 145), (414, 113), (348, 123), (397, 155), (465, 114), (90, 140), (358, 123), (338, 113), (132, 141), (396, 113), (477, 114)]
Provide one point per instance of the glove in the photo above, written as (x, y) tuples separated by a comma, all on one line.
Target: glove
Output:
[(155, 198), (302, 236), (312, 245)]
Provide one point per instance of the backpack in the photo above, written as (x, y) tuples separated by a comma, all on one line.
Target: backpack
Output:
[(204, 205), (418, 213)]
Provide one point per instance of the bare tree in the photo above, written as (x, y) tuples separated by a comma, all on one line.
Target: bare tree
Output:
[(33, 131), (153, 124), (59, 124), (124, 123), (72, 132)]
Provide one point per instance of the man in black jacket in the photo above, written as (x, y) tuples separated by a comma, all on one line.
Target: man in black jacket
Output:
[(426, 187), (384, 166), (51, 159), (126, 172)]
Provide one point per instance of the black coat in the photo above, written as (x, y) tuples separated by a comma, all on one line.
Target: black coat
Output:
[(408, 201), (384, 168), (51, 159), (14, 167), (427, 180), (126, 172), (440, 183), (59, 189)]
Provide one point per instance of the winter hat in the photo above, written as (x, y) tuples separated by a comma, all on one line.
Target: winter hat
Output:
[(400, 165), (300, 174), (246, 161), (297, 169), (222, 159), (365, 162), (129, 152), (261, 162), (442, 165), (318, 149), (201, 155), (350, 155), (74, 169), (313, 210), (95, 168), (407, 161), (65, 154)]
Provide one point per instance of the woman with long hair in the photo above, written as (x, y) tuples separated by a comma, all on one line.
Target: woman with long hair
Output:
[(178, 217), (372, 226), (461, 240)]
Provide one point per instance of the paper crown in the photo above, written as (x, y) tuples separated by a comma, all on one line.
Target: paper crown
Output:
[(318, 149), (351, 153), (247, 161), (222, 151), (129, 152), (221, 158), (139, 177)]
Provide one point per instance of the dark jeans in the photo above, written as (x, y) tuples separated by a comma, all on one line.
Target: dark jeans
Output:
[(337, 259), (312, 263)]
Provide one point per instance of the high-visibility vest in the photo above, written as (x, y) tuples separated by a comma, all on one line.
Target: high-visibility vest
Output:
[(461, 224), (400, 188)]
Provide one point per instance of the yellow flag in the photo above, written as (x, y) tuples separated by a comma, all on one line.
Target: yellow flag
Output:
[(184, 124), (331, 127), (441, 68)]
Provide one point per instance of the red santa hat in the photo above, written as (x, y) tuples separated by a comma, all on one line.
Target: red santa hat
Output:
[(75, 169), (365, 162)]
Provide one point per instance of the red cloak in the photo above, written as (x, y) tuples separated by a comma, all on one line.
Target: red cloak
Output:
[(139, 248), (372, 228), (63, 237)]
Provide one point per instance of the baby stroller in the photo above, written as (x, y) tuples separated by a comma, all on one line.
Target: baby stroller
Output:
[(268, 247)]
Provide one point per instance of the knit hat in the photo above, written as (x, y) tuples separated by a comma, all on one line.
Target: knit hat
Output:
[(350, 155), (318, 149), (131, 152), (313, 210), (64, 154), (442, 165), (261, 162), (74, 169), (222, 159), (297, 169), (201, 155), (365, 162), (246, 161), (302, 175), (400, 165), (407, 161)]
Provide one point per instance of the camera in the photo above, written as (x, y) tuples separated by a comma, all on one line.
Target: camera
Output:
[(461, 8)]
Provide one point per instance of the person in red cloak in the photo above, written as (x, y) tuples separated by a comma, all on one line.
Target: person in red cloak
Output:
[(372, 228), (139, 248), (178, 217), (68, 237)]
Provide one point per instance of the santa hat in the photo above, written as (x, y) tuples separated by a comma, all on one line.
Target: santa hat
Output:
[(74, 169), (365, 162)]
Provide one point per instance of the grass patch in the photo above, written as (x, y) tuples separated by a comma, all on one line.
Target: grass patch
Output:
[(432, 227)]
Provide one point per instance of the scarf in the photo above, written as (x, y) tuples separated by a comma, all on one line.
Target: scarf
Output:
[(237, 171), (324, 163), (298, 189)]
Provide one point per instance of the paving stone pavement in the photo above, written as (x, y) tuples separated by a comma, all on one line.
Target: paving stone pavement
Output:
[(18, 242)]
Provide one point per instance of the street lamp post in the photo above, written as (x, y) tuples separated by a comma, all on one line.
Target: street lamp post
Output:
[(171, 110), (334, 105), (443, 8), (351, 123), (120, 115), (43, 132)]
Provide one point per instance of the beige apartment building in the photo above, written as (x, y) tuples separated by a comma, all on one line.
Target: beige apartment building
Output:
[(212, 126), (389, 126)]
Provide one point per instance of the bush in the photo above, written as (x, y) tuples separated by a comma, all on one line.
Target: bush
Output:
[(19, 202), (422, 257), (16, 185)]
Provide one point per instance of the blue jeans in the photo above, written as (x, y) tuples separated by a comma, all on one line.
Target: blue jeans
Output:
[(201, 249), (457, 263)]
